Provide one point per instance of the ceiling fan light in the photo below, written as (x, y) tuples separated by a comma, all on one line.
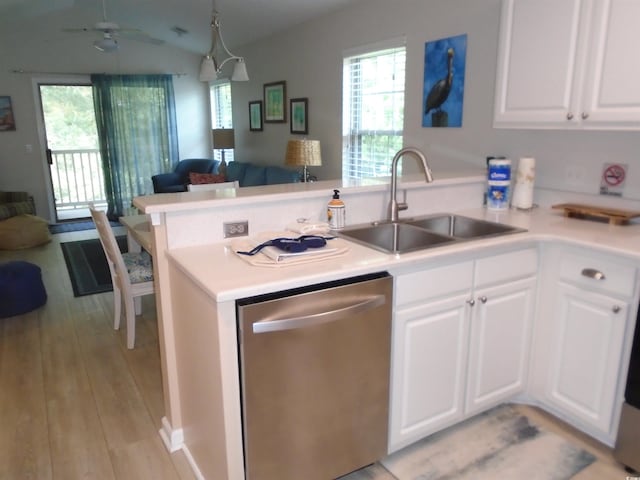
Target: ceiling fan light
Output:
[(207, 70), (106, 45), (240, 71)]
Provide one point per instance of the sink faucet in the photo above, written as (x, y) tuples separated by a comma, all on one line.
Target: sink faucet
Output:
[(394, 206)]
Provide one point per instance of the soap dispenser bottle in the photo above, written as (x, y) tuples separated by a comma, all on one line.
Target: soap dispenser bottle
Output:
[(336, 212)]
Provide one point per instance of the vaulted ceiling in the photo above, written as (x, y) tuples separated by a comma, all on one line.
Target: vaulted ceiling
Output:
[(242, 21)]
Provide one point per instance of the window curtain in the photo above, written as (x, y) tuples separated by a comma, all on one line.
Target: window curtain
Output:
[(136, 120)]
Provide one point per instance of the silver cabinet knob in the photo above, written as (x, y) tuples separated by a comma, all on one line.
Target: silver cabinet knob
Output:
[(584, 115), (593, 273), (483, 299), (615, 309), (569, 116), (471, 302)]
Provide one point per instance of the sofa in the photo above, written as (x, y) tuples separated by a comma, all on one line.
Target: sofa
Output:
[(178, 180), (250, 175), (16, 203), (246, 174)]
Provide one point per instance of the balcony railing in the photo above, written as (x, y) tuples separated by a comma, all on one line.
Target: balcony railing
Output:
[(77, 180)]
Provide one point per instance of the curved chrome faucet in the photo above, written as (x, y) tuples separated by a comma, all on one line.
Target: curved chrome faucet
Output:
[(394, 206)]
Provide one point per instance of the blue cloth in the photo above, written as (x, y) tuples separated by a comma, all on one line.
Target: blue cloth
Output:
[(137, 132), (21, 288)]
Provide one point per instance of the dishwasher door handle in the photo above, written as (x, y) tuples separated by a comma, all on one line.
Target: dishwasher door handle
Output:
[(266, 326)]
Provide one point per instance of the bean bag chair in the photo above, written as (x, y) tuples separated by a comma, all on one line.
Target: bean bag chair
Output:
[(23, 231), (21, 288)]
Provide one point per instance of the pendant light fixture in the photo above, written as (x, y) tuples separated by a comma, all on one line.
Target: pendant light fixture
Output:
[(211, 66)]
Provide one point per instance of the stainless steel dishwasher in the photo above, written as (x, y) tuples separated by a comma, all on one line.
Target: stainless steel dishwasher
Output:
[(314, 366)]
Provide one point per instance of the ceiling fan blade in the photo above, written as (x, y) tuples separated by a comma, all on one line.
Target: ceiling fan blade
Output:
[(140, 36)]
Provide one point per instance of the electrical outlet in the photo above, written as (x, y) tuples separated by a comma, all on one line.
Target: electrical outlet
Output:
[(235, 229)]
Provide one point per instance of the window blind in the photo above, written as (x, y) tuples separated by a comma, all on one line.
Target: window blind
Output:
[(373, 111), (221, 113)]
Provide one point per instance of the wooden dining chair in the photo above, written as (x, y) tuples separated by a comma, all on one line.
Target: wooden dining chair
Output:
[(212, 186), (131, 275)]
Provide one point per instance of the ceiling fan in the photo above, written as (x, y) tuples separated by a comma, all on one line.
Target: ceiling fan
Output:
[(111, 31)]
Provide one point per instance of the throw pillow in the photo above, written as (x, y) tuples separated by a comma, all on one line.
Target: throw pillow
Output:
[(202, 178)]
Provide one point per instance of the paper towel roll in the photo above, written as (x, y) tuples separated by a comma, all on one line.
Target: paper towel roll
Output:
[(523, 187)]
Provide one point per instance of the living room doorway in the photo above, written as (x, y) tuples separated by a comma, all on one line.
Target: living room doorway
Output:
[(72, 149)]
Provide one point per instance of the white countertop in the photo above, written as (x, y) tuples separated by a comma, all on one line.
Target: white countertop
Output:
[(186, 201), (224, 276)]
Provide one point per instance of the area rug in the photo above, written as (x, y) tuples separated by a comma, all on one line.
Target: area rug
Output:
[(76, 226), (498, 444), (87, 265)]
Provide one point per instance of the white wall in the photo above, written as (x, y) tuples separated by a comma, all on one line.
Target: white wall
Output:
[(309, 59), (61, 53)]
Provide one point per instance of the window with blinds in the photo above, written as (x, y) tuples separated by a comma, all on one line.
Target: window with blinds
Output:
[(221, 113), (373, 110)]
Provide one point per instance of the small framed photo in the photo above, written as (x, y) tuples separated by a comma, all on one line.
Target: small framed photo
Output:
[(7, 122), (298, 108), (275, 106), (255, 116)]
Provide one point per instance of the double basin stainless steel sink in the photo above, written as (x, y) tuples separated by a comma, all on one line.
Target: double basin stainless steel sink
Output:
[(420, 233)]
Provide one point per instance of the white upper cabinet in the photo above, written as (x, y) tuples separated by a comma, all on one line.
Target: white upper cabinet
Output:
[(568, 64)]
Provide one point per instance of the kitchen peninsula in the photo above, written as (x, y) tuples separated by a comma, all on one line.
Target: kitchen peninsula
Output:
[(199, 278)]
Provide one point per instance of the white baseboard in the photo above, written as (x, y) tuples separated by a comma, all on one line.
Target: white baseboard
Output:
[(192, 463), (173, 438)]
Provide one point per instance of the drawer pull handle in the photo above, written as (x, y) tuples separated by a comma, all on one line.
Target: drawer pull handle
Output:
[(615, 309), (483, 299), (593, 273), (471, 302)]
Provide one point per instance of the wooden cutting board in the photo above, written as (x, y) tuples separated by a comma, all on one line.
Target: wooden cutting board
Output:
[(614, 216)]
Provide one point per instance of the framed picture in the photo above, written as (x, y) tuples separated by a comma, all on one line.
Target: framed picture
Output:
[(443, 89), (7, 122), (298, 108), (255, 116), (275, 106)]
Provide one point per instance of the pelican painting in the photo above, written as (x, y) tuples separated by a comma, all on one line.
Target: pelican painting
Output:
[(444, 72)]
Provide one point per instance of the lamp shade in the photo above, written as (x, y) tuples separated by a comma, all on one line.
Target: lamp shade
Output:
[(240, 71), (207, 70), (106, 44), (222, 138), (303, 152)]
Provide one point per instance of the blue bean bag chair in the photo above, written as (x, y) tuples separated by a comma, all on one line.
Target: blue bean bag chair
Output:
[(21, 288)]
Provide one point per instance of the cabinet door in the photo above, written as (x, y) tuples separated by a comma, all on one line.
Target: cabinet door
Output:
[(611, 94), (538, 63), (587, 341), (499, 343), (428, 369)]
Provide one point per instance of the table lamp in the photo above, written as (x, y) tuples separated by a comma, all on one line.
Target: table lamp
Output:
[(305, 153), (222, 140)]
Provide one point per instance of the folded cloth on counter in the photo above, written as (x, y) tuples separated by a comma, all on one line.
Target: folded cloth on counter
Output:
[(307, 227), (274, 257)]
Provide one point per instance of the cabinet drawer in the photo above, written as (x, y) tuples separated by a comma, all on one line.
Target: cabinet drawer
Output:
[(585, 271), (434, 282), (506, 266)]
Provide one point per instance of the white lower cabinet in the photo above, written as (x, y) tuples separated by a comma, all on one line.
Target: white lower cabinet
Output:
[(582, 339), (499, 346), (429, 369), (460, 341), (586, 354)]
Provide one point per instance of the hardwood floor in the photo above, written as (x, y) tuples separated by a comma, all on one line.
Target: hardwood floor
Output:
[(75, 403)]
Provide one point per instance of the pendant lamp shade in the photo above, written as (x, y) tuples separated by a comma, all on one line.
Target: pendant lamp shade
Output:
[(207, 70), (240, 71), (211, 65)]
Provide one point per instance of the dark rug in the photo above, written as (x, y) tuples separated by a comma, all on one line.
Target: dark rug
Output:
[(87, 265), (76, 226)]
